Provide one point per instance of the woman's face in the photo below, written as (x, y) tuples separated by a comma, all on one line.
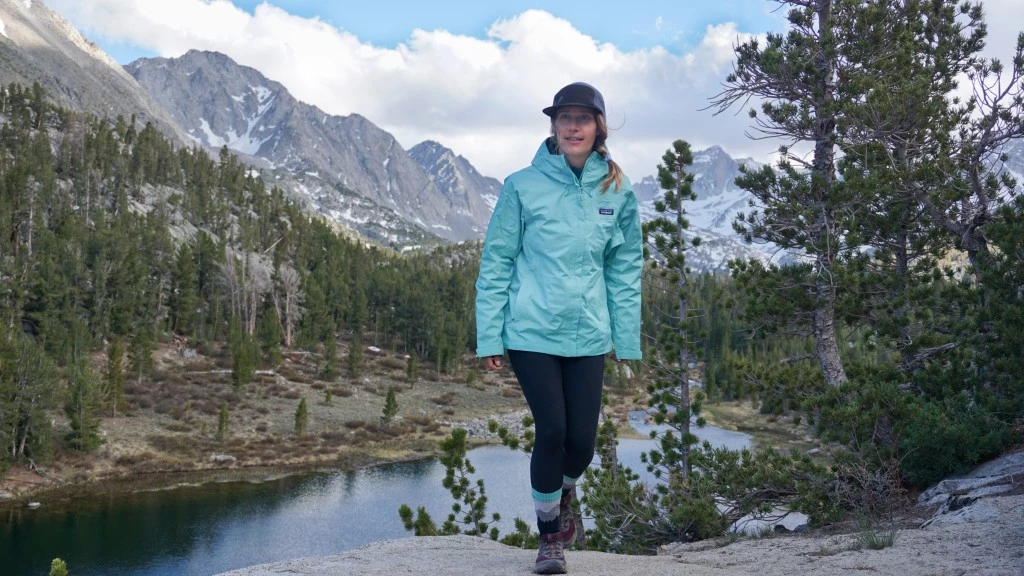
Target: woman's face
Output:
[(575, 129)]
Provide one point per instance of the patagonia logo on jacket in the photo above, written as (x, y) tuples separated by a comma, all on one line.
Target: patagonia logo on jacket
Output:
[(606, 211)]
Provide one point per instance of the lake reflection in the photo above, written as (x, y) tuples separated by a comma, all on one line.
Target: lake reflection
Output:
[(202, 530)]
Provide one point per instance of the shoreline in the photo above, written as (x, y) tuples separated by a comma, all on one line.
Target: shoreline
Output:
[(358, 458), (726, 415)]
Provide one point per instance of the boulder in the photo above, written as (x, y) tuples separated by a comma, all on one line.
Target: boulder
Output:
[(223, 459), (962, 499)]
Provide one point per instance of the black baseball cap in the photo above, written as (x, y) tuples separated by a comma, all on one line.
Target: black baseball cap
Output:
[(576, 94)]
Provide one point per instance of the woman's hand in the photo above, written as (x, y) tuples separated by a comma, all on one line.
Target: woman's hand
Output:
[(616, 359), (493, 362)]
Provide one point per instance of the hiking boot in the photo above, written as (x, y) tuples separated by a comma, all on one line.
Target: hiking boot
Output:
[(570, 524), (550, 555)]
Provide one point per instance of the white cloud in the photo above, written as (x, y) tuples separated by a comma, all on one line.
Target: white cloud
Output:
[(481, 97), (1002, 17)]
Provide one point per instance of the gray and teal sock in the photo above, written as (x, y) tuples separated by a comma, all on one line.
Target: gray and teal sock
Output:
[(546, 505), (568, 485)]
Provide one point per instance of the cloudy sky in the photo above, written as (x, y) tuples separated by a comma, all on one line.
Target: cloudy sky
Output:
[(474, 75)]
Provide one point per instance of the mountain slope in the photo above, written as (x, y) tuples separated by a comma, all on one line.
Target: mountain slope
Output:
[(220, 103), (39, 45), (471, 195)]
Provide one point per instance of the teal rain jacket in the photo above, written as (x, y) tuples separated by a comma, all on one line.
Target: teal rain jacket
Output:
[(560, 271)]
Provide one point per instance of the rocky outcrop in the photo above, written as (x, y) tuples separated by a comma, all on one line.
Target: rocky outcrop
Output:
[(966, 499)]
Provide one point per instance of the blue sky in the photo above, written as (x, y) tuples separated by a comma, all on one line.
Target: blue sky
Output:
[(474, 75), (629, 25), (675, 25)]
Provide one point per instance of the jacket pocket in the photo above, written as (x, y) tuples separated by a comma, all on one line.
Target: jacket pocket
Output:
[(520, 299)]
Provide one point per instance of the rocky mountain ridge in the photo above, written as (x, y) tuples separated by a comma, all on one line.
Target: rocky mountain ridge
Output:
[(471, 194), (221, 103)]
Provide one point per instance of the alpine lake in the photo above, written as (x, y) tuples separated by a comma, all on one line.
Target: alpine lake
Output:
[(198, 530)]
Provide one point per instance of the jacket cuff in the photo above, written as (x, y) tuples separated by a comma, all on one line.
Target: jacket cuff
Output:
[(485, 351), (628, 354)]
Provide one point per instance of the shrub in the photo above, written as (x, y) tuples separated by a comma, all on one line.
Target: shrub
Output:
[(949, 438), (341, 391), (58, 568), (419, 419), (392, 363), (930, 438), (446, 399)]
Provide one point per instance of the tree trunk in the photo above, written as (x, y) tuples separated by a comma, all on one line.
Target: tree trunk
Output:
[(826, 341), (822, 180)]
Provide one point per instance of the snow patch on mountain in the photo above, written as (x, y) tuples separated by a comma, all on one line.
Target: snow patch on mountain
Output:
[(491, 200), (719, 200), (212, 140)]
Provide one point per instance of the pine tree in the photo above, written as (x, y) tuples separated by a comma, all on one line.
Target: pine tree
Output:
[(270, 334), (355, 355), (390, 408), (82, 406), (330, 368), (222, 422), (183, 300), (140, 354), (301, 418), (114, 377), (244, 356), (670, 391), (803, 208), (412, 367), (27, 391)]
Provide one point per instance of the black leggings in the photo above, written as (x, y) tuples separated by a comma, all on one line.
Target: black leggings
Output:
[(564, 394)]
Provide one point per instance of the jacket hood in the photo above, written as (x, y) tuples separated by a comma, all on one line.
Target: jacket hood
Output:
[(556, 167)]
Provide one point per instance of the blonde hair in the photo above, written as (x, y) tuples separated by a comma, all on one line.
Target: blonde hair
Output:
[(614, 171)]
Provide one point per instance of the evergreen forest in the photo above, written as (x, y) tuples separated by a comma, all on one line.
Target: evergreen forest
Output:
[(114, 242)]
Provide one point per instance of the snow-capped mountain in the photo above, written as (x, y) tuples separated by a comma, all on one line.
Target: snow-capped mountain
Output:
[(221, 103), (470, 195), (711, 215)]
